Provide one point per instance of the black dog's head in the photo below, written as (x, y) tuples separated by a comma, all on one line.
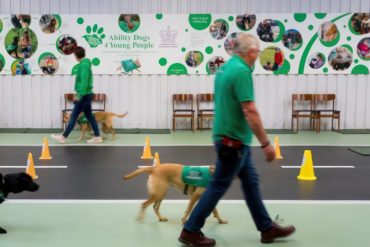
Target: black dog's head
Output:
[(16, 183)]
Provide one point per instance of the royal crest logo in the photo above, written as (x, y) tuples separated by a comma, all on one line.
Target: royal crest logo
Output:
[(168, 37)]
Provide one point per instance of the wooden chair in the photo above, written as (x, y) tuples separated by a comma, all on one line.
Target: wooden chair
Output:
[(302, 113), (326, 113), (186, 100), (69, 98), (204, 113)]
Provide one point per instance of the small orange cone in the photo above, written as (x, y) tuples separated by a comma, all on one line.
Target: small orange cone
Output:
[(277, 149), (147, 153), (156, 161), (307, 171), (45, 153), (30, 170)]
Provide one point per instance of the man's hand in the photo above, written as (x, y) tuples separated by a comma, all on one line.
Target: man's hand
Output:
[(269, 152)]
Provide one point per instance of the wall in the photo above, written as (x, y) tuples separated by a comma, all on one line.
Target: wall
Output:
[(36, 101)]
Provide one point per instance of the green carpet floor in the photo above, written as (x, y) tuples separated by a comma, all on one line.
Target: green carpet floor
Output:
[(114, 225)]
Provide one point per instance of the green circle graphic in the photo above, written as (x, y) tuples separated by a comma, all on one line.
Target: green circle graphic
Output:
[(300, 17), (209, 49), (360, 69), (162, 61), (80, 20), (2, 62), (159, 16), (320, 15), (95, 61), (177, 69), (200, 21)]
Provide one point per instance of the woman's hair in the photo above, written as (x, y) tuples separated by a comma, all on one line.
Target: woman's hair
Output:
[(79, 52)]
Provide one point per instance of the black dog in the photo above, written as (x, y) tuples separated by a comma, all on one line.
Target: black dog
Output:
[(15, 183)]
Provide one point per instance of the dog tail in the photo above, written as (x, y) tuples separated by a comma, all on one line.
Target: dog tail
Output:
[(138, 172), (120, 115)]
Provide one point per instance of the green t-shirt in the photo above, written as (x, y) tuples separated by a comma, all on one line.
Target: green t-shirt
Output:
[(84, 78), (233, 85), (198, 176)]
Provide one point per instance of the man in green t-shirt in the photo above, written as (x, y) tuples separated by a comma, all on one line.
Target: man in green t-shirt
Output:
[(83, 88), (236, 119)]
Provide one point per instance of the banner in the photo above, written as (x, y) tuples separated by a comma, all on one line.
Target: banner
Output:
[(295, 43)]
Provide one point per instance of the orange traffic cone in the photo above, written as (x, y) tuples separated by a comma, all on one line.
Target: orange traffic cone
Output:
[(307, 171), (277, 149), (156, 161), (147, 153), (45, 153), (30, 170)]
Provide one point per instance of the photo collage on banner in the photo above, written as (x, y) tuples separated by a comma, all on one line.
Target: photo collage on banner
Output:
[(298, 43)]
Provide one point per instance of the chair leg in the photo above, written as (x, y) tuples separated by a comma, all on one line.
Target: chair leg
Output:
[(192, 123), (201, 123), (174, 124)]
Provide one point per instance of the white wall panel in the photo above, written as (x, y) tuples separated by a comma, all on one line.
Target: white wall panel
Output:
[(36, 101)]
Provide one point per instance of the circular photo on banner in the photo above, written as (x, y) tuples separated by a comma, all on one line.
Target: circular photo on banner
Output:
[(219, 29), (1, 25), (268, 30), (245, 22), (316, 60), (272, 58), (328, 32), (360, 23), (292, 39), (214, 64), (20, 67), (129, 23), (66, 44), (193, 58), (20, 21), (2, 62), (363, 49), (48, 63), (50, 23), (230, 42), (21, 42), (340, 58)]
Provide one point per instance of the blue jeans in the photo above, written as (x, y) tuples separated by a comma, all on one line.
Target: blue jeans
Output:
[(239, 164), (83, 105)]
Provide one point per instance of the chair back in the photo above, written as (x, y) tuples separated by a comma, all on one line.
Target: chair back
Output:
[(205, 99), (302, 99), (182, 100)]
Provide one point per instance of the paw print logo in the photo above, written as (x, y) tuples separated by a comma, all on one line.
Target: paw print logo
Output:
[(94, 36)]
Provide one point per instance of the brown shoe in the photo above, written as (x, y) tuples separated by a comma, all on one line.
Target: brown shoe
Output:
[(276, 231), (196, 239)]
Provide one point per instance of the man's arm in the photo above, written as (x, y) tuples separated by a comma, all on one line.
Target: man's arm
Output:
[(255, 123)]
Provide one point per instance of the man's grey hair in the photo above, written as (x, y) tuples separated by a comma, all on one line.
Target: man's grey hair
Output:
[(244, 42)]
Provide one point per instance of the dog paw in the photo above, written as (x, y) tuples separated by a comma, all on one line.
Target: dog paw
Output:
[(163, 219), (221, 221), (2, 231)]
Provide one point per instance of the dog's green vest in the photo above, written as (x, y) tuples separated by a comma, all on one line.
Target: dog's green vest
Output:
[(198, 176), (82, 119)]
